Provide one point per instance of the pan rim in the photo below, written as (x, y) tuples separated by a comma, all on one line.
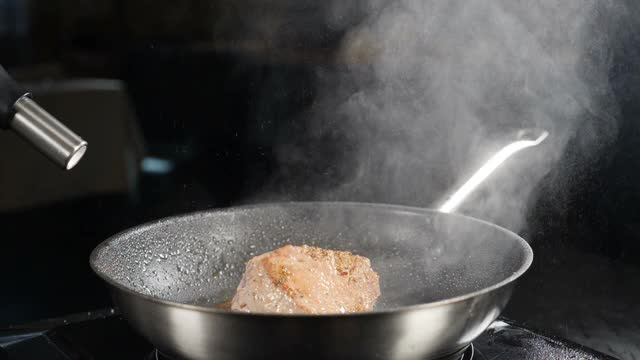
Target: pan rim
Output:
[(526, 264)]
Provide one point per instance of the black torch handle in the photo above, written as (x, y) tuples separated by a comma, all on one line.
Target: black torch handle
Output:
[(10, 92)]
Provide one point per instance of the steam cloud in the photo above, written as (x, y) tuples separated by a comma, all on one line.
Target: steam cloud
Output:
[(427, 89)]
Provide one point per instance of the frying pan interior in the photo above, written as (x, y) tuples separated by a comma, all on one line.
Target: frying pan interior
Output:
[(421, 256)]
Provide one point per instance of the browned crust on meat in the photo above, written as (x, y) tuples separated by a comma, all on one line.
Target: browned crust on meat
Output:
[(280, 275), (345, 261)]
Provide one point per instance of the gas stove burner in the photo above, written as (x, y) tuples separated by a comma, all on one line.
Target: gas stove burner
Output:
[(468, 354), (156, 355), (464, 354)]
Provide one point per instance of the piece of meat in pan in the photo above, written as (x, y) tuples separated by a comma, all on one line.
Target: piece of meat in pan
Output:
[(307, 280)]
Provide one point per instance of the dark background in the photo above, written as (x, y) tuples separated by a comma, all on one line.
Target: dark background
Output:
[(209, 90)]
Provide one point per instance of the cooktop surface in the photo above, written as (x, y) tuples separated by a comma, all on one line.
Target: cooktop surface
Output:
[(105, 335)]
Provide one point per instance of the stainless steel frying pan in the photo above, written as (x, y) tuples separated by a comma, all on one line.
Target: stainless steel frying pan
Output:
[(444, 278)]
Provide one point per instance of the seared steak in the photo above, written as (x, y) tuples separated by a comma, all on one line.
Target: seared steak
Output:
[(307, 280)]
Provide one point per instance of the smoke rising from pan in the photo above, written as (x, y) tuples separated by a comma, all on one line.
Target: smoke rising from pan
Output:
[(425, 90)]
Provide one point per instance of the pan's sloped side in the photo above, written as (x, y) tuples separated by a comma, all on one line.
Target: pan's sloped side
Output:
[(443, 277), (413, 334)]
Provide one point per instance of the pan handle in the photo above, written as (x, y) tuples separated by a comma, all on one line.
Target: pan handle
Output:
[(526, 138)]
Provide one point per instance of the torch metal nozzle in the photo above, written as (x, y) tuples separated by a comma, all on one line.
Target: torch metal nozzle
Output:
[(47, 134)]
